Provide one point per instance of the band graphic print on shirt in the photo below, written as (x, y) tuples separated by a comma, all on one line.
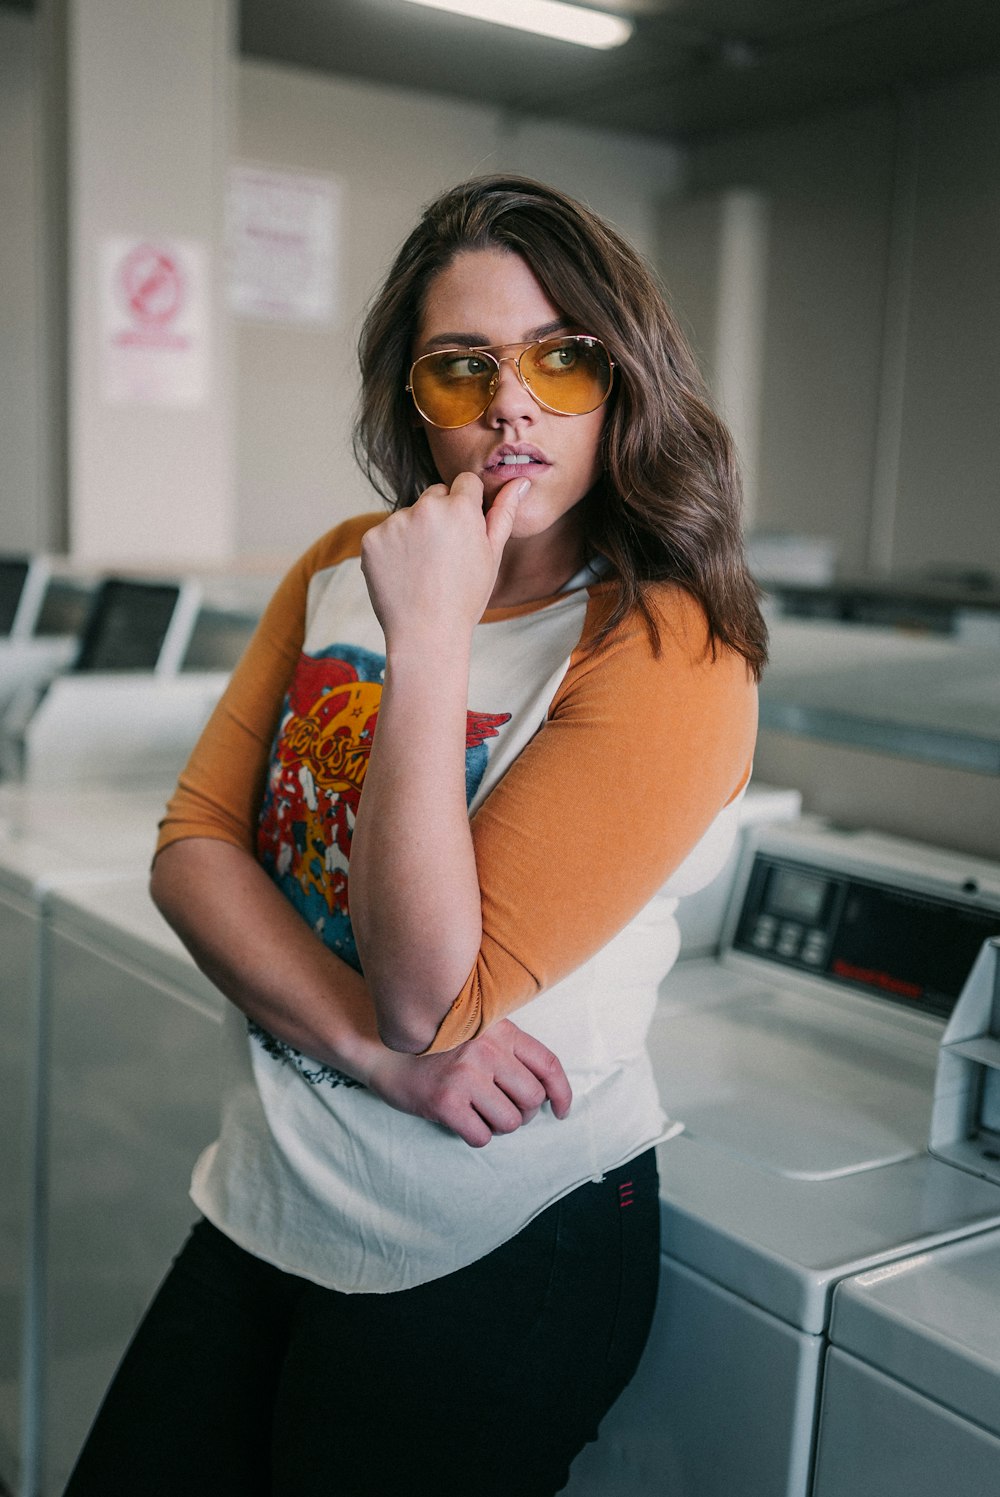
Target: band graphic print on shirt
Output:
[(318, 764)]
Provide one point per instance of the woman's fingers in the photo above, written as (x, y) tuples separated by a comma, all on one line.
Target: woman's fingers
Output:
[(502, 513), (491, 1085), (522, 1074), (471, 1128), (545, 1067)]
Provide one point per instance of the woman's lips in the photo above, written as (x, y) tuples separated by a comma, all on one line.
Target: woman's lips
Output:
[(511, 462)]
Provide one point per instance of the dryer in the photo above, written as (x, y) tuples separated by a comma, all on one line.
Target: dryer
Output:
[(47, 841), (802, 1063), (132, 1099), (911, 1396)]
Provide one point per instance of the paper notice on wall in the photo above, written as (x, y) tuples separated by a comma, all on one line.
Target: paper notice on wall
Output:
[(283, 233), (154, 321)]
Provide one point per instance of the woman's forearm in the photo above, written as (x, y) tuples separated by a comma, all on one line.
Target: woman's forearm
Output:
[(253, 945), (414, 891), (247, 938)]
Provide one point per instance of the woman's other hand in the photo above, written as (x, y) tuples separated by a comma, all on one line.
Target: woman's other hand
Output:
[(494, 1083), (434, 564)]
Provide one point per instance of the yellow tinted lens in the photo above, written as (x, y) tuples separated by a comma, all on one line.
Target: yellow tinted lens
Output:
[(569, 375), (452, 388)]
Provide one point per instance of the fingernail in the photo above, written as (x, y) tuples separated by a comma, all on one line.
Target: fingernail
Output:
[(523, 487)]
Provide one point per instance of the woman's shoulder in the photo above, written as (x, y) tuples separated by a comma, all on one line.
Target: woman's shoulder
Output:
[(680, 623), (341, 543)]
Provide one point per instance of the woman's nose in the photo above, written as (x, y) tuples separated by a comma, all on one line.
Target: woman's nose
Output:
[(511, 402)]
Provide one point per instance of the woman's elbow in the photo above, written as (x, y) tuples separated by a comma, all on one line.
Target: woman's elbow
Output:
[(174, 879), (411, 1002), (407, 1016), (406, 1032), (159, 886)]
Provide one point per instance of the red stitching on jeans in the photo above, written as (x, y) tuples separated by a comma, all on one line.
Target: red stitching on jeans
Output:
[(625, 1193)]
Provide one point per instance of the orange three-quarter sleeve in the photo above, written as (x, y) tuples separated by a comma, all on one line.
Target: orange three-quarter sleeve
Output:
[(638, 755), (219, 791)]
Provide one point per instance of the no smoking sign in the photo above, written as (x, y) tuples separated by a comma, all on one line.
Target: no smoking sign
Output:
[(155, 325), (153, 285)]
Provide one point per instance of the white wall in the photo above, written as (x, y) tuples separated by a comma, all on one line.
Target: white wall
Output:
[(149, 108), (880, 380), (827, 183), (145, 142), (23, 525), (949, 490), (392, 151), (715, 248)]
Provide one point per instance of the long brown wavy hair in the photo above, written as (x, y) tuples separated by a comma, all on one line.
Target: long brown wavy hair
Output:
[(669, 501)]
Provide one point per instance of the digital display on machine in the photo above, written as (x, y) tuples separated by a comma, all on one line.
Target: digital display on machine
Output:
[(13, 575), (907, 946), (796, 895), (65, 606), (127, 626), (218, 640), (914, 948)]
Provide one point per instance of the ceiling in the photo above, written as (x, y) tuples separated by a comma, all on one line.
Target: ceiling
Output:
[(692, 68)]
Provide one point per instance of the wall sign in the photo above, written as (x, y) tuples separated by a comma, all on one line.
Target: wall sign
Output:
[(283, 231), (154, 324)]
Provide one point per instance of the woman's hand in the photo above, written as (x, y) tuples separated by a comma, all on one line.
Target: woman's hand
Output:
[(434, 565), (493, 1083)]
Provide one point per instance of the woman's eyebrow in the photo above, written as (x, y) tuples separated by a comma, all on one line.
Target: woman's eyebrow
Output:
[(480, 340), (461, 340)]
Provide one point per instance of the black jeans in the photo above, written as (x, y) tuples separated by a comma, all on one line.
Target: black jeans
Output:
[(243, 1381)]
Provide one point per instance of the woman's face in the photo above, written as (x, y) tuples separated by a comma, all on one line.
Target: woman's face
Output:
[(490, 298)]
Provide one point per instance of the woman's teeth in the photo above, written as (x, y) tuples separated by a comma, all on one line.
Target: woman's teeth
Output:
[(515, 461)]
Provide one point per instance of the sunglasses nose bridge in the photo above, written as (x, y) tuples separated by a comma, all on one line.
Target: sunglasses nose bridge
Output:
[(509, 358), (495, 380)]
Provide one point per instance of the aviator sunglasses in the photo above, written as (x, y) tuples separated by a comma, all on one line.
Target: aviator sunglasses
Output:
[(569, 375)]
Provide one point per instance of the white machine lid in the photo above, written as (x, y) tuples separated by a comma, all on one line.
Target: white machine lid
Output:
[(801, 1083), (783, 1244), (931, 1321), (809, 1048), (802, 1064), (49, 838)]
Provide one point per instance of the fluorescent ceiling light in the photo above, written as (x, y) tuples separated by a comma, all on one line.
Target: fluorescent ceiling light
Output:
[(567, 23)]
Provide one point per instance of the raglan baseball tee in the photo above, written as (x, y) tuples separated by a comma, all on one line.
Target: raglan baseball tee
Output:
[(603, 782)]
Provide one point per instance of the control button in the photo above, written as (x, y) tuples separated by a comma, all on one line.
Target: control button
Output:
[(763, 932), (789, 939)]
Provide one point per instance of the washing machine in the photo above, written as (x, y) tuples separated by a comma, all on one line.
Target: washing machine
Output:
[(124, 710), (42, 614), (802, 1062), (702, 915), (132, 1098), (911, 1393), (47, 841), (91, 758)]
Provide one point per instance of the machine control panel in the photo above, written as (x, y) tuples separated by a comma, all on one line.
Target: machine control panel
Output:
[(911, 946)]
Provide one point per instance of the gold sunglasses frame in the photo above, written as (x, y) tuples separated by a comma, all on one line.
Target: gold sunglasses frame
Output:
[(490, 350)]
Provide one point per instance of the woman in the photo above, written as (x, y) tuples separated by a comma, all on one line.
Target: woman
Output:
[(557, 635)]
